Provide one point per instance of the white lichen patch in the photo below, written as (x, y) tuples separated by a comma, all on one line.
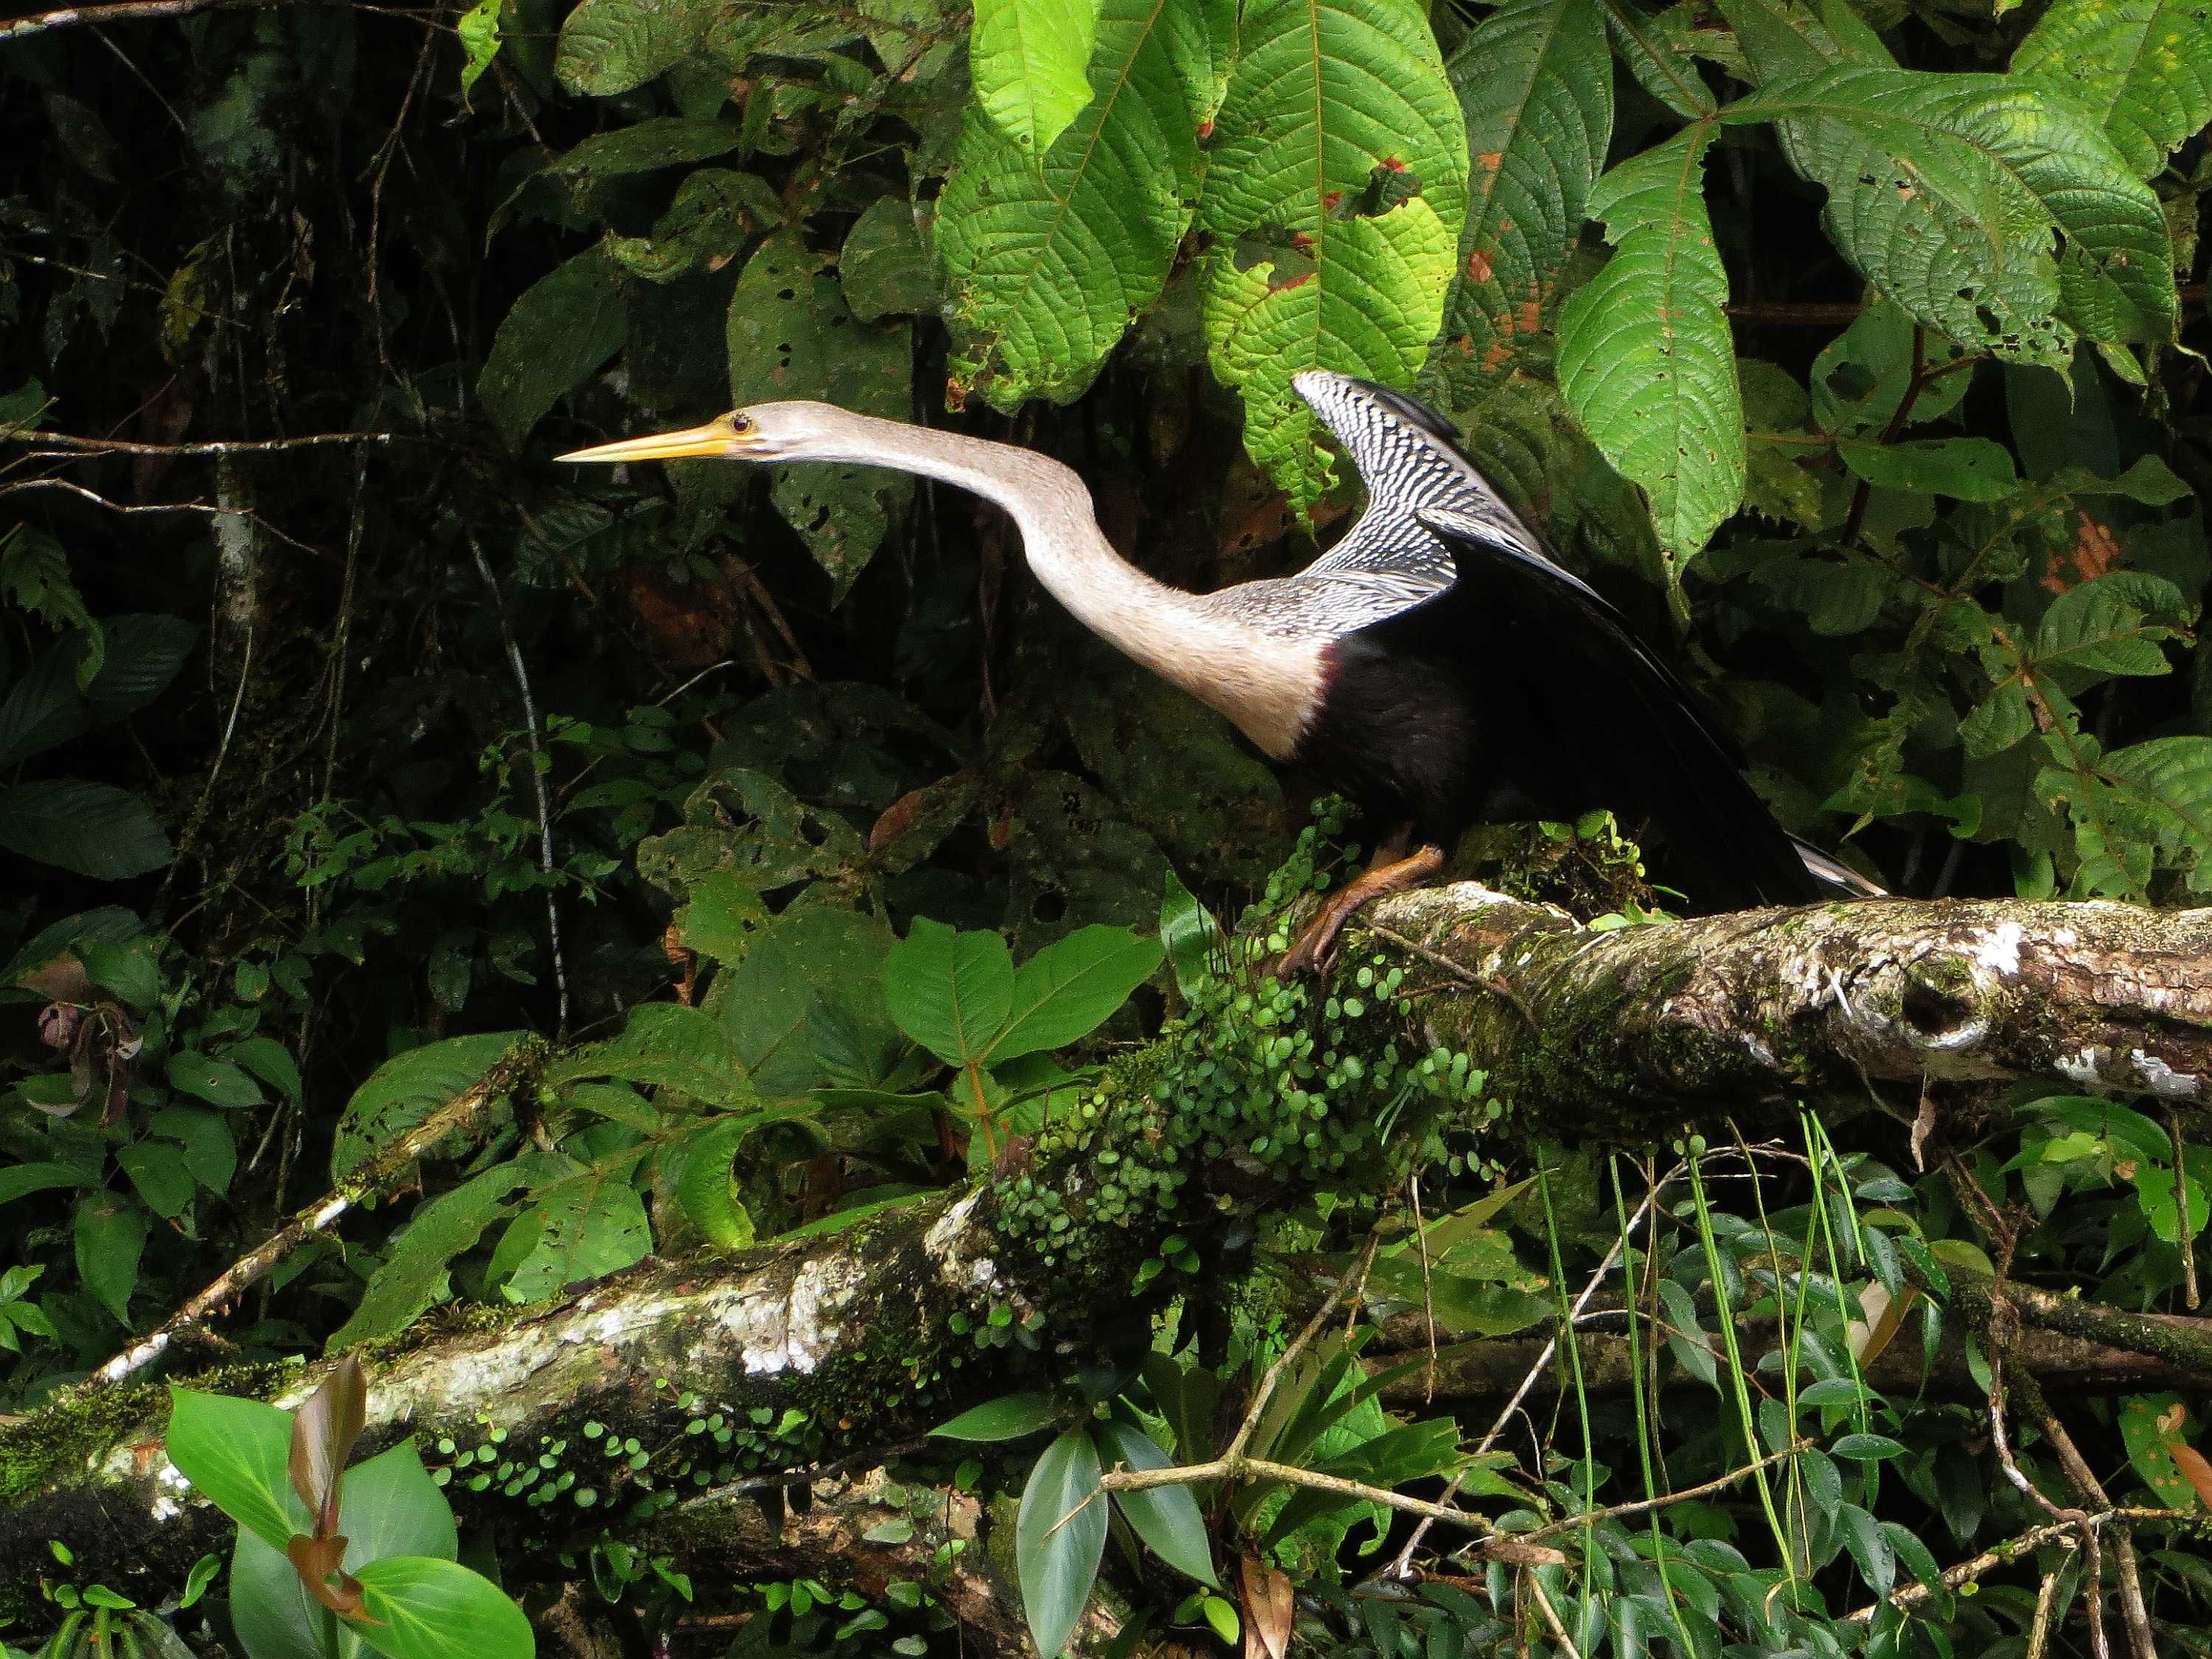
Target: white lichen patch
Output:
[(2083, 1066), (2161, 1080), (1997, 949), (951, 1242)]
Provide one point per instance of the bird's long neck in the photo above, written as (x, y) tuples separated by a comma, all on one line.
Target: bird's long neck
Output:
[(1176, 635)]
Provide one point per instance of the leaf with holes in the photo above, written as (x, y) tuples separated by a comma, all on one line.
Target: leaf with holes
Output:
[(1984, 207), (1534, 83), (407, 1089), (1048, 258), (412, 1274), (2141, 67), (588, 1223), (1333, 104), (1645, 359), (790, 335), (611, 46)]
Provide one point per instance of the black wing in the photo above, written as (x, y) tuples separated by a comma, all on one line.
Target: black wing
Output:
[(1580, 715)]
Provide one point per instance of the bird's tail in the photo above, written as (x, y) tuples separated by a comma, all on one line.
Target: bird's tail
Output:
[(1832, 872)]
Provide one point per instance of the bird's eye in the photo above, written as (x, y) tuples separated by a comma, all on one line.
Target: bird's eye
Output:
[(741, 423)]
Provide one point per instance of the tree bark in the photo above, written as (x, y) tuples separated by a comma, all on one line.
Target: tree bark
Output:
[(817, 1351)]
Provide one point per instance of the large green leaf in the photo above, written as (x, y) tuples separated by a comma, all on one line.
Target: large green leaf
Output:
[(1060, 1534), (2155, 795), (1049, 260), (953, 993), (566, 323), (1165, 1518), (1027, 58), (1535, 82), (2142, 67), (1334, 104), (110, 1243), (412, 1274), (1983, 206), (1067, 989), (790, 335), (93, 828), (611, 46), (587, 1224), (236, 1452), (1645, 359), (407, 1089), (664, 1045), (425, 1607)]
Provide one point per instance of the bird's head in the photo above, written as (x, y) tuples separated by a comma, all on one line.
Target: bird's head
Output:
[(798, 430)]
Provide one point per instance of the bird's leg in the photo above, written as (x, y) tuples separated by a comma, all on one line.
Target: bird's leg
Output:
[(1394, 877)]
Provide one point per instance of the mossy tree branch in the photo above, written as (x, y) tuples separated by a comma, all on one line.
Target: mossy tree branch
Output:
[(822, 1348)]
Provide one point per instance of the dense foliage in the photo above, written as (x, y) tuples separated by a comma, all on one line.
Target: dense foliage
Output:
[(794, 860)]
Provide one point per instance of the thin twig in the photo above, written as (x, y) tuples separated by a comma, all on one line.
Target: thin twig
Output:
[(1644, 1505), (536, 778), (455, 1115), (211, 447), (2011, 1550), (124, 11), (1551, 1615)]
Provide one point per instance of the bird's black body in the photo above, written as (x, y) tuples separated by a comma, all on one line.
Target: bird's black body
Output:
[(1513, 691)]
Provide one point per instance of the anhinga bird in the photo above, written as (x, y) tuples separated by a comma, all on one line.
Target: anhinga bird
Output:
[(1437, 665)]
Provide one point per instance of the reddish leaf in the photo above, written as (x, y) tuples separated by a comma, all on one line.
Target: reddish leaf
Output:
[(323, 1433), (316, 1560), (1268, 1605)]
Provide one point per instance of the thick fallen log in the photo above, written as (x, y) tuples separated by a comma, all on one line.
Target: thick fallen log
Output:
[(1624, 1031), (841, 1344)]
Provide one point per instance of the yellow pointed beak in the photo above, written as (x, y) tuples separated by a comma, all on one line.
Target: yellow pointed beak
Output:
[(718, 438)]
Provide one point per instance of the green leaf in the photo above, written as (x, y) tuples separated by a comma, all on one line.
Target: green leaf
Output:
[(215, 1081), (1060, 1535), (237, 1453), (1048, 259), (1192, 938), (790, 335), (160, 1176), (1984, 207), (566, 324), (953, 993), (1027, 58), (2159, 792), (666, 1045), (1869, 1548), (1536, 85), (1645, 359), (1965, 469), (706, 1188), (21, 1180), (883, 266), (144, 654), (2103, 627), (271, 1061), (2141, 67), (721, 917), (412, 1274), (407, 1089), (645, 147), (1008, 1418), (1165, 1518), (1782, 38), (612, 46), (92, 828), (111, 1239), (387, 1506), (1070, 988), (478, 28), (585, 1224), (430, 1608), (1332, 103), (1866, 1448)]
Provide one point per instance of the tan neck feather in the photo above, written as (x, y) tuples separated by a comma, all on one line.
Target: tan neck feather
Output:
[(1267, 684)]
